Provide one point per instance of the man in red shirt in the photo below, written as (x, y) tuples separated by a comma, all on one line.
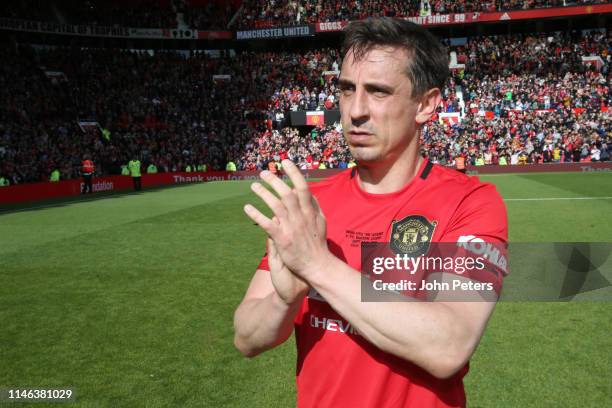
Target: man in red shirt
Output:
[(353, 353)]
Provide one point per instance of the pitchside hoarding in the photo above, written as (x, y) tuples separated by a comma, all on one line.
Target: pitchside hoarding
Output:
[(66, 188), (14, 24)]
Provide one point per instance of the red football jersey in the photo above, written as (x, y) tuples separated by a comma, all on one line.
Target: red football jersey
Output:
[(337, 367)]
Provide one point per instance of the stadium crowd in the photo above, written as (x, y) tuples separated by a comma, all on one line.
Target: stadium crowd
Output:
[(521, 138), (134, 13), (174, 110), (519, 91), (208, 15), (194, 14), (217, 14), (189, 110), (321, 148), (273, 13)]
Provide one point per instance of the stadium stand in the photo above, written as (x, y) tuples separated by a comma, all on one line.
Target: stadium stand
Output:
[(524, 98), (530, 98), (271, 13), (208, 15), (217, 14), (165, 107), (125, 13)]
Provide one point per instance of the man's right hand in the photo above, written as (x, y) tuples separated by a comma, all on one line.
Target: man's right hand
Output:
[(289, 287)]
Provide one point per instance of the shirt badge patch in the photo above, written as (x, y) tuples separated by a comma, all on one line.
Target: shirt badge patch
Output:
[(412, 235)]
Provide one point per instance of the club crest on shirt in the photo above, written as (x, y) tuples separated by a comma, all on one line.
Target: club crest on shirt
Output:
[(412, 235)]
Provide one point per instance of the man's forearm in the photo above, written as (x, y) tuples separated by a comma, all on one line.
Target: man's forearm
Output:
[(261, 324), (429, 334)]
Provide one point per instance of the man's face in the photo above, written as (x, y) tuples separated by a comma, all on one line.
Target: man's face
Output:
[(378, 112)]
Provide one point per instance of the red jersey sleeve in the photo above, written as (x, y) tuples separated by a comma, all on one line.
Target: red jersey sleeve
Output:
[(482, 214), (263, 264), (479, 229)]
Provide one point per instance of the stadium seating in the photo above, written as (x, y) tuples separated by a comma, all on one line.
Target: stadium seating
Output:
[(177, 109), (271, 13), (525, 95), (217, 14)]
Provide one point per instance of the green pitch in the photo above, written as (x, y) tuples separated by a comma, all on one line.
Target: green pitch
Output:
[(129, 299)]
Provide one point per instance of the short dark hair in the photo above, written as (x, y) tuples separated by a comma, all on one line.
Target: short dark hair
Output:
[(427, 66)]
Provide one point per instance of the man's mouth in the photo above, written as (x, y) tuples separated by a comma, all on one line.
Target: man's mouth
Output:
[(359, 136)]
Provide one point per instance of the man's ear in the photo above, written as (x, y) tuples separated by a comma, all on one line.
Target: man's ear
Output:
[(428, 103)]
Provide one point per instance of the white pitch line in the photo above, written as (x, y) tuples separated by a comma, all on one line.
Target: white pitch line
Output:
[(557, 198)]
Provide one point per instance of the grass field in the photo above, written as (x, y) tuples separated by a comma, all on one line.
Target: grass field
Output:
[(129, 299)]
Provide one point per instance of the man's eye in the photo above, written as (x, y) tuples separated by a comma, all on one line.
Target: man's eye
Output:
[(379, 93)]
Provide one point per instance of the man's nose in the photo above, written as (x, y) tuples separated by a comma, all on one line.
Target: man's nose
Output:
[(359, 110)]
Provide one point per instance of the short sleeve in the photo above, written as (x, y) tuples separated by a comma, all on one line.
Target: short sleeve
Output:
[(263, 264), (479, 230), (482, 214)]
